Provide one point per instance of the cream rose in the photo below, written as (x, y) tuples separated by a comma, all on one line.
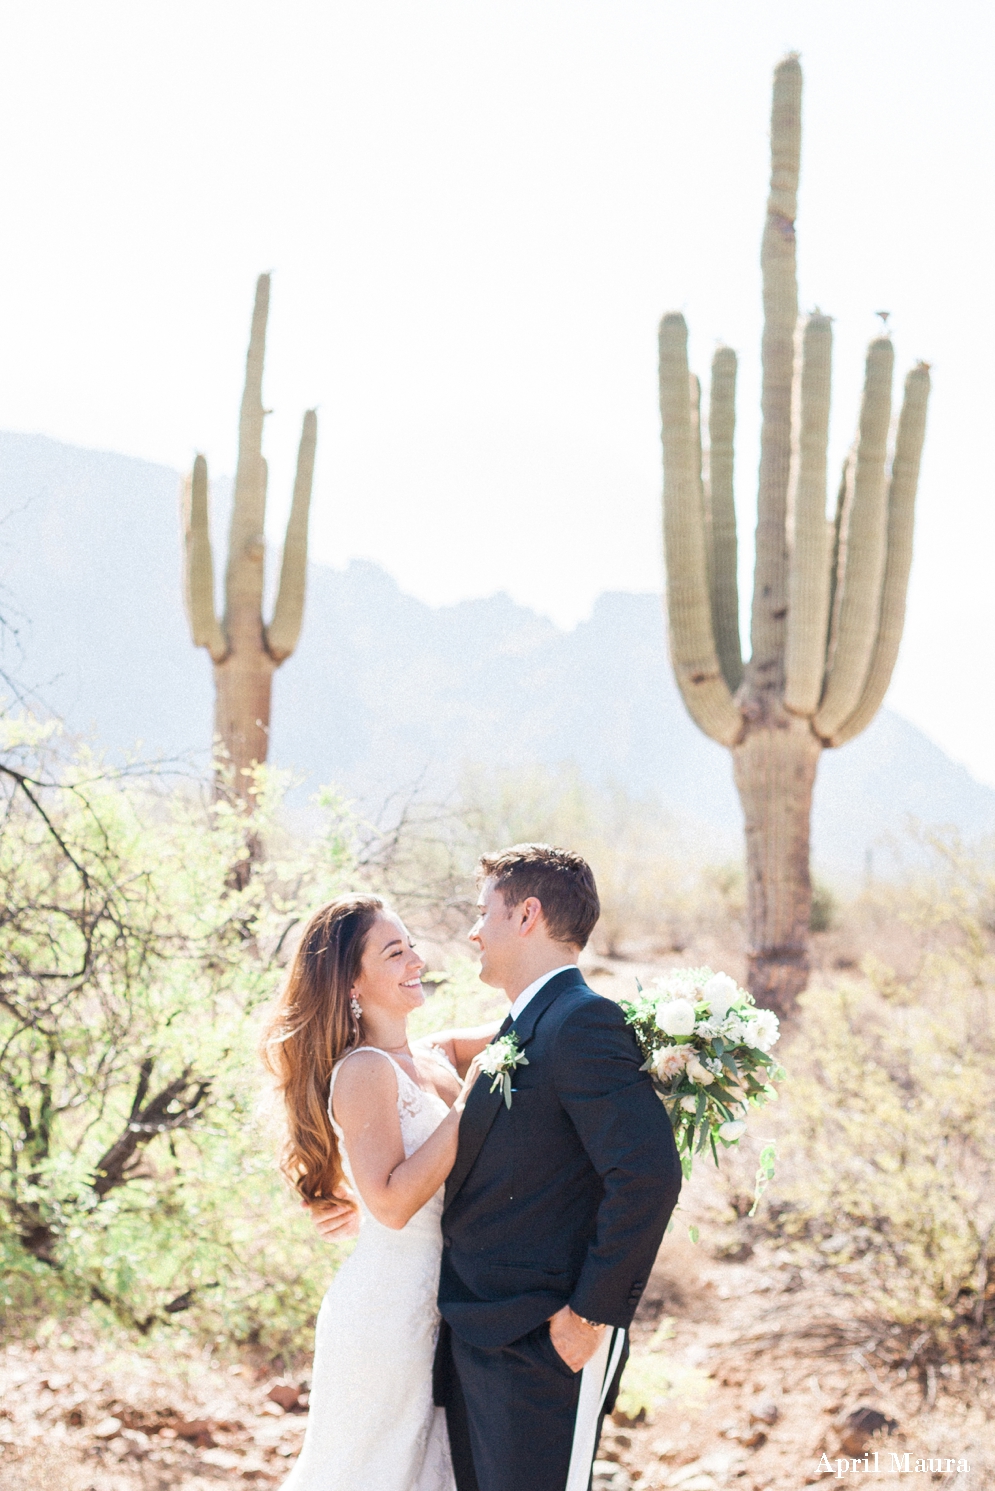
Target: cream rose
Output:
[(699, 1073)]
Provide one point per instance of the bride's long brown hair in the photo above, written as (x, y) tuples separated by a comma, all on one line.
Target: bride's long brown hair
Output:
[(311, 1026)]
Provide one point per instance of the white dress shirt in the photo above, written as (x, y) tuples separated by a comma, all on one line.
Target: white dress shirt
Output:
[(533, 989)]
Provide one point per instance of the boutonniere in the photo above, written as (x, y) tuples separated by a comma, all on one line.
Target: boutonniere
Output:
[(499, 1060)]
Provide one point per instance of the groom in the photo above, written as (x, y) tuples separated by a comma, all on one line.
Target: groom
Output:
[(556, 1206)]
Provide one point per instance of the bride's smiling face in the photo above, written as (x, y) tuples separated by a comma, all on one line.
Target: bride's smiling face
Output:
[(390, 971)]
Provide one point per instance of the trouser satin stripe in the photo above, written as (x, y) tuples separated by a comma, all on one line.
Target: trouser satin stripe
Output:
[(595, 1381)]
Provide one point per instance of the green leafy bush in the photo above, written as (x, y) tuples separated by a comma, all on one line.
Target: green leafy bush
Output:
[(137, 1156)]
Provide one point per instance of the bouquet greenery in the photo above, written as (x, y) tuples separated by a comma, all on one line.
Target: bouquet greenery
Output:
[(707, 1049)]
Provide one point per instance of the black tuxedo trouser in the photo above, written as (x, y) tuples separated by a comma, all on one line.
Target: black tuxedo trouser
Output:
[(511, 1411)]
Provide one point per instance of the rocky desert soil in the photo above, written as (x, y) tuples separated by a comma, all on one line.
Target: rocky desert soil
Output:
[(762, 1371)]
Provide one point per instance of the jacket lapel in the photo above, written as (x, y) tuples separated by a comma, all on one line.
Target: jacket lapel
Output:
[(482, 1105)]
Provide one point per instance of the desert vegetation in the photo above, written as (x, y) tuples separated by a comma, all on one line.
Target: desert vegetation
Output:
[(160, 1282)]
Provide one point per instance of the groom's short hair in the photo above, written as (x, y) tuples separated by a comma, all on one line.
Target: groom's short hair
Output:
[(561, 880)]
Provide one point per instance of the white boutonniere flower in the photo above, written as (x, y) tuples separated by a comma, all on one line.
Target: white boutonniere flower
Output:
[(499, 1060)]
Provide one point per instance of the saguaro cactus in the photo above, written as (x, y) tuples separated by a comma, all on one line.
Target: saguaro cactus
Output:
[(829, 596), (245, 651)]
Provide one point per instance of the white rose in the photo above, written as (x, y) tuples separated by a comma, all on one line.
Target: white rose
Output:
[(676, 1017), (698, 1073), (732, 1130), (689, 1104), (720, 994)]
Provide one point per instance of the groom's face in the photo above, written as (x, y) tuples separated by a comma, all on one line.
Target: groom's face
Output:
[(495, 936)]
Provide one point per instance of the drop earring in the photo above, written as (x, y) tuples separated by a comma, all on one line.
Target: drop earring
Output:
[(356, 1007)]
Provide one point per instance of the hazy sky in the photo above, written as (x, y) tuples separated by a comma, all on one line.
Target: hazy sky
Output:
[(475, 212)]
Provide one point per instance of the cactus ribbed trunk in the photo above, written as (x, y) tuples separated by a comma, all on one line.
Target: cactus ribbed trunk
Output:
[(774, 769), (243, 686), (828, 599)]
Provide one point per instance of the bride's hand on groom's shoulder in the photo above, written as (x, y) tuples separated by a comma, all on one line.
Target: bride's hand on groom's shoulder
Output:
[(337, 1220), (473, 1072)]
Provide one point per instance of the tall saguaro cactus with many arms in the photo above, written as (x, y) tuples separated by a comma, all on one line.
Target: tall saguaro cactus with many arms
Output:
[(244, 650), (829, 596)]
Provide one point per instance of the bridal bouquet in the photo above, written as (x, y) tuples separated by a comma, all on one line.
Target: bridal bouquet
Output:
[(707, 1048)]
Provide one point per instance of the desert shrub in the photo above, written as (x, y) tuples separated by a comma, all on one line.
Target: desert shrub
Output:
[(822, 916), (886, 1170), (892, 1146), (136, 1159)]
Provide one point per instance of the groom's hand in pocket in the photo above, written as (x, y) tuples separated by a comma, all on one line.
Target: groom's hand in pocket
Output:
[(574, 1339), (337, 1220)]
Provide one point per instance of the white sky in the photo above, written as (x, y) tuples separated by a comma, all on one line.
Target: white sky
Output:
[(476, 211)]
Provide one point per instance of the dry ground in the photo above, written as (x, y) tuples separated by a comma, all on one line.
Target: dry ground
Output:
[(762, 1364)]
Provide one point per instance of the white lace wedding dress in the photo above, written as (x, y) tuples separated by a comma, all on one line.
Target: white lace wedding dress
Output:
[(372, 1425)]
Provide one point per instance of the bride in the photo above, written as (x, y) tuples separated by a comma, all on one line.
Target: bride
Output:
[(365, 1106)]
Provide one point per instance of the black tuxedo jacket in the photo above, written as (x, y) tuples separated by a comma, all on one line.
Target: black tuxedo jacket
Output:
[(564, 1197)]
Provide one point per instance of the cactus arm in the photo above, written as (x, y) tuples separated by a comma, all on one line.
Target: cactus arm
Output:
[(808, 572), (858, 588), (198, 568), (722, 510), (699, 458), (901, 518), (837, 548), (246, 544), (285, 628), (780, 300), (696, 666)]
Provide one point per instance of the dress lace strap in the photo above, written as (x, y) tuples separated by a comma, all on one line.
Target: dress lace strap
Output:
[(398, 1068)]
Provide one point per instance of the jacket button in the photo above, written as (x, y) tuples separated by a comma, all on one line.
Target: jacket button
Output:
[(447, 1242)]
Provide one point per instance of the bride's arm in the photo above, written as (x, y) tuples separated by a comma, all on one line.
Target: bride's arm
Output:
[(365, 1107), (460, 1046)]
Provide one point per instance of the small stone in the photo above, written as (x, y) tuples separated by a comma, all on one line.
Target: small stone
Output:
[(754, 1441), (284, 1394), (624, 1421), (223, 1459), (107, 1428), (197, 1432), (610, 1477), (692, 1478), (766, 1412), (857, 1428)]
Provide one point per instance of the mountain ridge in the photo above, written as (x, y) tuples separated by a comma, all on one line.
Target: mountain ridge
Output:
[(386, 690)]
